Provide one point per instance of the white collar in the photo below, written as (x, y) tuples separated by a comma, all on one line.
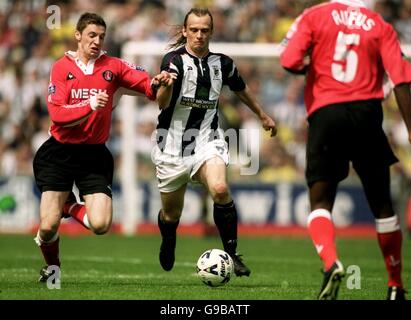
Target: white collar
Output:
[(86, 68)]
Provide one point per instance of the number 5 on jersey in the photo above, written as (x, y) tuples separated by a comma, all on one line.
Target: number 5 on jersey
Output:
[(343, 52)]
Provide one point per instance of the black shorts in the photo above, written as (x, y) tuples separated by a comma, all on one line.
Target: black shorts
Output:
[(345, 132), (57, 166)]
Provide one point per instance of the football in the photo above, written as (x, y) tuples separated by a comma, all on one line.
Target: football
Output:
[(215, 267)]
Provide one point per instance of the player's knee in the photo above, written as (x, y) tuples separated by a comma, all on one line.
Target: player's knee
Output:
[(47, 231), (50, 224), (100, 227), (171, 216), (100, 230), (219, 192)]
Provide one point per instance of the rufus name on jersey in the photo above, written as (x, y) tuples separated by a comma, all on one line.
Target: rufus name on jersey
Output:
[(353, 18), (85, 93)]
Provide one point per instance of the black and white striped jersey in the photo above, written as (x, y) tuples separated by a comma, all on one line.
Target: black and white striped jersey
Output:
[(191, 119)]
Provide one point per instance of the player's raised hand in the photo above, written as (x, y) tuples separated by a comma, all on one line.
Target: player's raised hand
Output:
[(99, 100), (268, 124), (165, 79)]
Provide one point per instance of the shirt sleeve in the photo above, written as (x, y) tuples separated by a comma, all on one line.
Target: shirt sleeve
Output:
[(231, 75), (171, 63), (296, 44), (136, 78), (61, 112), (395, 64)]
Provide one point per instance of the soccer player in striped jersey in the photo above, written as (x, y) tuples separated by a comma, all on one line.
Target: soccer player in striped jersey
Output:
[(190, 144), (81, 98), (349, 49)]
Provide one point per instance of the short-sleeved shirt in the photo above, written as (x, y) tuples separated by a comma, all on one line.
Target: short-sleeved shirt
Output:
[(191, 119)]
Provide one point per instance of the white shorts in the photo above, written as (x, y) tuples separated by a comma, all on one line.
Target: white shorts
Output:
[(175, 171)]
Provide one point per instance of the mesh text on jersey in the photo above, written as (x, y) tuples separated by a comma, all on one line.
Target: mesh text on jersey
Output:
[(85, 93)]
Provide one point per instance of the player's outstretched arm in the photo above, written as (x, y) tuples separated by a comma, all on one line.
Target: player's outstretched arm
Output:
[(249, 99), (403, 96), (164, 81)]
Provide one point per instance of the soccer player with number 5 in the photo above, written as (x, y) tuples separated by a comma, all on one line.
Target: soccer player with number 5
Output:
[(345, 49)]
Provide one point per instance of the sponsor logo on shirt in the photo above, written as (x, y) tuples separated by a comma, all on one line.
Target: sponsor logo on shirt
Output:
[(85, 93), (198, 103), (70, 76)]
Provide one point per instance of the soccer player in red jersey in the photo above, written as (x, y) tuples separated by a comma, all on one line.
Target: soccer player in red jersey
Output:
[(345, 49), (81, 98)]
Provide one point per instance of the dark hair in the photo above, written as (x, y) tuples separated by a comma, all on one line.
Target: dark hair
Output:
[(181, 40), (89, 18)]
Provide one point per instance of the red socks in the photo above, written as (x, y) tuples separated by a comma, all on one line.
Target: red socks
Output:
[(78, 212), (390, 241), (49, 249), (322, 233)]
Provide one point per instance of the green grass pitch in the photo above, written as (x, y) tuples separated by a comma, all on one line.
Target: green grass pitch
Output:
[(117, 267)]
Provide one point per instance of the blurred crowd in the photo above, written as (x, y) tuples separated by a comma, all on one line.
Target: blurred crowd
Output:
[(30, 42)]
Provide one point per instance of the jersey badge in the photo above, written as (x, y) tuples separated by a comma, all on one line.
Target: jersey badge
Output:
[(108, 75), (216, 73), (52, 89)]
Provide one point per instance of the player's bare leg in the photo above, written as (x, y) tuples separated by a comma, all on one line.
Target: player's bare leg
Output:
[(212, 175), (99, 208)]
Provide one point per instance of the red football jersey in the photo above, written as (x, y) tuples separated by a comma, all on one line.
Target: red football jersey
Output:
[(350, 49), (72, 84)]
